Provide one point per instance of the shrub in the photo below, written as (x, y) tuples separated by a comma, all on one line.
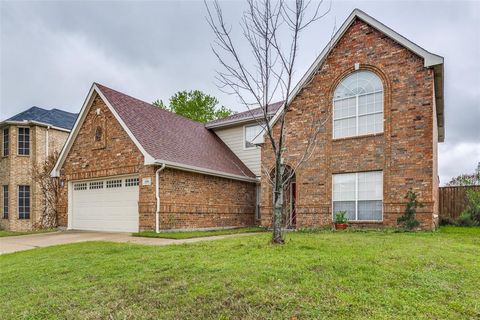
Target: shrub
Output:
[(466, 220), (447, 221), (473, 205), (408, 220)]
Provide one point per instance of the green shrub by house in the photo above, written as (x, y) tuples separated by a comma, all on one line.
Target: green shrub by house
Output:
[(408, 220)]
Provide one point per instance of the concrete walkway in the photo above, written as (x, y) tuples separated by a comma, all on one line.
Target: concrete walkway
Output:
[(26, 242)]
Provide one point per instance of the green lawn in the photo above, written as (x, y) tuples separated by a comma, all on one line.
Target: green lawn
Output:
[(196, 234), (343, 275), (5, 233)]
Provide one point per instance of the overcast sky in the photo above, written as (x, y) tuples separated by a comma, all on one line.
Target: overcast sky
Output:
[(51, 52)]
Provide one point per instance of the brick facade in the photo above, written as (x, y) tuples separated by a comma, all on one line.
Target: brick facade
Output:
[(406, 151), (17, 170), (188, 200)]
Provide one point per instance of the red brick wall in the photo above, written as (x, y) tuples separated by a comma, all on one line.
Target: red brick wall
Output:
[(192, 200), (405, 151), (115, 154), (188, 200)]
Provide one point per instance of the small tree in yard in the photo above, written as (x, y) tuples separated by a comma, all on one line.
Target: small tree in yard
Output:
[(408, 221), (195, 105), (466, 179), (271, 31), (49, 190)]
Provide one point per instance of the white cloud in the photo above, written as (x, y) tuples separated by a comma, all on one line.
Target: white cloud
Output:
[(457, 159)]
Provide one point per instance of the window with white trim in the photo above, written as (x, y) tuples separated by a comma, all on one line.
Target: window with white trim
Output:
[(5, 201), (23, 202), (23, 141), (80, 186), (358, 105), (360, 194), (131, 182), (6, 142), (114, 183), (250, 133), (96, 185)]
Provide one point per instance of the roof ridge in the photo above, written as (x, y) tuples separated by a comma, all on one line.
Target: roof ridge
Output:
[(158, 109)]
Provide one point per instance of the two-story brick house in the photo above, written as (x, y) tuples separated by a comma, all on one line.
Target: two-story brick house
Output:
[(130, 166), (28, 139), (380, 97)]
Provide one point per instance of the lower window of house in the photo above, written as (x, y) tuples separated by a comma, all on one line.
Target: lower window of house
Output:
[(360, 194), (23, 202)]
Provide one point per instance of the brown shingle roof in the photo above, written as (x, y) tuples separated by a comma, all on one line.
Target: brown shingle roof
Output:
[(248, 115), (169, 137)]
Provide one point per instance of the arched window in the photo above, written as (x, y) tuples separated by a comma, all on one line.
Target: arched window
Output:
[(358, 105)]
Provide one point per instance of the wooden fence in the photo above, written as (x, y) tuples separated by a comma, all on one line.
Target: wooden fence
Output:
[(453, 200)]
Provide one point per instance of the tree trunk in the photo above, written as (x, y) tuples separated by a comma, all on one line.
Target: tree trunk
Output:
[(278, 206)]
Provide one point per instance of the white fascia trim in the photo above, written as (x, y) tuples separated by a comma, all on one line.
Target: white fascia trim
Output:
[(189, 168), (33, 122), (78, 123), (229, 123), (429, 59)]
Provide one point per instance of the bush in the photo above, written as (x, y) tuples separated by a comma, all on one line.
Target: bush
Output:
[(473, 205), (466, 220), (447, 221), (408, 220)]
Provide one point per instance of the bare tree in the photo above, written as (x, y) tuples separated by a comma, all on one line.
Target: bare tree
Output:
[(49, 190), (271, 30)]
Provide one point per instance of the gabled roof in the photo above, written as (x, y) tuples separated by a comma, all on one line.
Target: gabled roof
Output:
[(164, 137), (54, 117), (430, 61), (242, 117)]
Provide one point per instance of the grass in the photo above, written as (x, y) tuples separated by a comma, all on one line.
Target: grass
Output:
[(6, 233), (323, 275), (196, 234)]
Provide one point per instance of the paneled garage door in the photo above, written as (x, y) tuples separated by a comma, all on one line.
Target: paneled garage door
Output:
[(105, 205)]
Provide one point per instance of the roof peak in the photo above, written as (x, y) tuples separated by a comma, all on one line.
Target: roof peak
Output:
[(158, 109)]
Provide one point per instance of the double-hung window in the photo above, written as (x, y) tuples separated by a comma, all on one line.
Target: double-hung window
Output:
[(360, 194), (23, 202), (5, 142), (358, 105), (23, 141), (251, 132), (5, 201)]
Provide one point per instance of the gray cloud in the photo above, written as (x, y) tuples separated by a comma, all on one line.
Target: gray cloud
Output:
[(51, 52)]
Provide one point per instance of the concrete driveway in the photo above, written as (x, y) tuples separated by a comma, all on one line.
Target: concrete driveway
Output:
[(26, 242)]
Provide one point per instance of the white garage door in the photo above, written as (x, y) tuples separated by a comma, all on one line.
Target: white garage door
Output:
[(105, 205)]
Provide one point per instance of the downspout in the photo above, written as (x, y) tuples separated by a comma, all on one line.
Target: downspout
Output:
[(157, 195)]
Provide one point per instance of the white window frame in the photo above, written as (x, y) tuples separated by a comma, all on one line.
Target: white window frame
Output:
[(7, 144), (5, 201), (245, 135), (29, 212), (356, 195), (29, 142), (356, 111)]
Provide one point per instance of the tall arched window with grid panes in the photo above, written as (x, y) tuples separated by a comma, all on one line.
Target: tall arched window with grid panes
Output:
[(358, 105)]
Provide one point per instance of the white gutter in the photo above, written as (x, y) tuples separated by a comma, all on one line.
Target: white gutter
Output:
[(157, 195), (185, 167)]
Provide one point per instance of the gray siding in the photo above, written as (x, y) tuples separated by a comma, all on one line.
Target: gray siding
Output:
[(233, 138)]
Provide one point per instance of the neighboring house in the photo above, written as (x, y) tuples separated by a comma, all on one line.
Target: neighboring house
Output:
[(129, 166), (381, 98), (28, 139)]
